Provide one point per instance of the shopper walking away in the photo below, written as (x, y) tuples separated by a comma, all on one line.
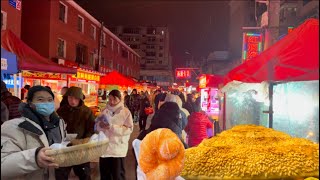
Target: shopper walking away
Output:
[(116, 122), (24, 92), (24, 140), (189, 105), (144, 103), (126, 99), (198, 123), (63, 91), (12, 102), (157, 99), (134, 105), (80, 120)]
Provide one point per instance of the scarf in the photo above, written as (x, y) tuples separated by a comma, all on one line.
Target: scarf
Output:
[(51, 128)]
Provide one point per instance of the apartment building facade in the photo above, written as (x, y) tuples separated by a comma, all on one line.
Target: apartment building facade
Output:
[(152, 44), (62, 30), (11, 16)]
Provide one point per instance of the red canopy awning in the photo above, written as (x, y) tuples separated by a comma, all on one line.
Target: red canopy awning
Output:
[(210, 80), (115, 78), (293, 58), (29, 59)]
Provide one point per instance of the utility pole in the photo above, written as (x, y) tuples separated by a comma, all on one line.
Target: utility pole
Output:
[(272, 30), (100, 46)]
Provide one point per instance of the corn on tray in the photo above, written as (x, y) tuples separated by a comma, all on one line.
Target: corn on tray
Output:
[(252, 152)]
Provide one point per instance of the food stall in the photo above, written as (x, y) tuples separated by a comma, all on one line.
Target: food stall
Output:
[(37, 70), (56, 81), (280, 87), (88, 81), (208, 85)]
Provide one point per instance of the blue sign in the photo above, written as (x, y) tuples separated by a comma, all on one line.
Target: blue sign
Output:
[(15, 3), (8, 62), (8, 79)]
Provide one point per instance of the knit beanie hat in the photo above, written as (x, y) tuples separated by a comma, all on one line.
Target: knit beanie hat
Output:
[(35, 89), (75, 92)]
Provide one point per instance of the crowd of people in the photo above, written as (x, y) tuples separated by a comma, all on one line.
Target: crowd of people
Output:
[(31, 125)]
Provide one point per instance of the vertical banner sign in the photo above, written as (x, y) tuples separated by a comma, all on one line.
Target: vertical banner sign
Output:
[(252, 45)]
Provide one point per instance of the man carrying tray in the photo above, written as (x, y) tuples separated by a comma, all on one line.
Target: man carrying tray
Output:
[(80, 120)]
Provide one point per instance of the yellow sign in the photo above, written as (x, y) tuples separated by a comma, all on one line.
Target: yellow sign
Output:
[(86, 76), (203, 81)]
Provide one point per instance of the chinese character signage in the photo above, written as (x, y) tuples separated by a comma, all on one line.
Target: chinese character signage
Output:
[(40, 75), (86, 76), (183, 73), (16, 4), (252, 45)]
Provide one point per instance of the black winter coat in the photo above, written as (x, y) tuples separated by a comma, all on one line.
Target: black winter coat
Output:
[(168, 116), (144, 102)]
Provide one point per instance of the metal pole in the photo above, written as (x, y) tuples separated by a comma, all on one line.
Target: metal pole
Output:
[(271, 105), (20, 85), (100, 45), (15, 84)]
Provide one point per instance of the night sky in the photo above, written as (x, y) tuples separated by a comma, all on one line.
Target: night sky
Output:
[(196, 26)]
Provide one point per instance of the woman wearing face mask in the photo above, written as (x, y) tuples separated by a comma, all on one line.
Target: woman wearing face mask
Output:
[(24, 140), (117, 124)]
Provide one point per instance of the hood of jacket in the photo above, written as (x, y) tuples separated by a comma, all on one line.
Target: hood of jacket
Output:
[(168, 116)]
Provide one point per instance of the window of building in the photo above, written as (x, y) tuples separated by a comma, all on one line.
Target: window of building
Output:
[(112, 42), (150, 78), (80, 24), (93, 32), (91, 59), (61, 48), (151, 39), (128, 71), (81, 53), (160, 55), (118, 48), (131, 30), (63, 12), (161, 40), (151, 31), (150, 47), (160, 47), (3, 20), (104, 39), (151, 53), (132, 57), (135, 46), (160, 62)]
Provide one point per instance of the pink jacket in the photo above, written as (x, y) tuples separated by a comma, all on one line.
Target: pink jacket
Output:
[(196, 129)]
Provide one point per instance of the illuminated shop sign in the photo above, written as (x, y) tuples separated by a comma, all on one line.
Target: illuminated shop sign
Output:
[(183, 73), (252, 45), (203, 81), (41, 75), (86, 76)]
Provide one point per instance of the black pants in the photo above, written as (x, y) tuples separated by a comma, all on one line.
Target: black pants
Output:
[(142, 122), (83, 171), (112, 169)]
